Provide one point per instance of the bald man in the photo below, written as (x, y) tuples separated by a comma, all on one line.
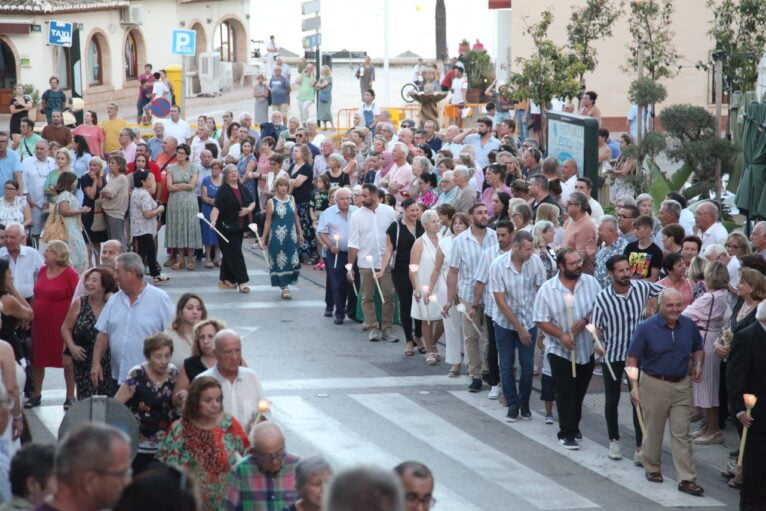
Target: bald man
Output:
[(568, 181), (707, 226), (265, 479)]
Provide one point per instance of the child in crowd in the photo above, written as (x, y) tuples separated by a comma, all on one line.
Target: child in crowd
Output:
[(319, 203)]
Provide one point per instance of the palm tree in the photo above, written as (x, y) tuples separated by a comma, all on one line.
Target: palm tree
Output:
[(441, 32)]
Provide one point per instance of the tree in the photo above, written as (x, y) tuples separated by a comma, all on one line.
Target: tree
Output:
[(442, 53), (739, 31), (587, 24), (649, 25), (547, 74)]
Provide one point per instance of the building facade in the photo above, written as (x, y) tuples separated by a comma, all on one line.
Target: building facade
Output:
[(117, 38)]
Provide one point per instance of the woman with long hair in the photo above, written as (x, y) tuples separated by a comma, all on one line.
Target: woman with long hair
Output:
[(501, 204), (264, 167), (210, 186), (82, 156), (182, 230), (115, 198), (202, 357), (624, 169), (91, 185), (70, 210), (302, 183), (495, 178), (91, 132), (190, 309), (14, 207), (247, 166)]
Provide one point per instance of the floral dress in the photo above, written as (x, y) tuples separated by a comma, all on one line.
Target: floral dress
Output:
[(209, 237), (183, 229), (84, 335), (151, 406), (75, 241), (208, 454), (283, 244)]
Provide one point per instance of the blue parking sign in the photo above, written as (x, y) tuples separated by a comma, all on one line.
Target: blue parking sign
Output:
[(184, 42), (60, 33)]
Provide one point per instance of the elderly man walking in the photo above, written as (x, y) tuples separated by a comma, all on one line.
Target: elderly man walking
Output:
[(35, 171), (662, 347)]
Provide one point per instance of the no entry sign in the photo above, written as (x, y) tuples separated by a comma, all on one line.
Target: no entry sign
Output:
[(160, 107)]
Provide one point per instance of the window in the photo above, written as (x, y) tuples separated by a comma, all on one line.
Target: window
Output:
[(94, 63), (224, 40), (63, 66), (131, 57)]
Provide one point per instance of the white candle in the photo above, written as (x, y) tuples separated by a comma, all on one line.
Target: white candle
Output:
[(461, 308), (428, 316), (750, 400), (592, 329), (349, 267), (632, 373), (569, 301), (375, 277), (337, 245)]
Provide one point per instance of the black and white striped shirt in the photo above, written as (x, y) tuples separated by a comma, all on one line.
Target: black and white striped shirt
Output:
[(617, 316)]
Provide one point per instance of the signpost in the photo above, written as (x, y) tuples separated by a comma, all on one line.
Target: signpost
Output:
[(67, 35), (60, 33), (184, 44), (575, 137), (312, 7)]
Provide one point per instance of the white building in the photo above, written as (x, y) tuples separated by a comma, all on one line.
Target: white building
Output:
[(117, 38)]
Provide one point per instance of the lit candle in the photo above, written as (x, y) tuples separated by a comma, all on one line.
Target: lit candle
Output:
[(428, 316), (254, 227), (263, 407), (569, 301), (337, 245), (461, 308), (349, 267), (375, 277), (750, 400), (632, 373), (592, 329)]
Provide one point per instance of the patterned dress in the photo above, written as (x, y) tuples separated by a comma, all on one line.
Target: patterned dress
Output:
[(283, 244), (84, 335), (151, 406), (208, 454), (242, 168), (75, 241), (208, 236), (183, 229)]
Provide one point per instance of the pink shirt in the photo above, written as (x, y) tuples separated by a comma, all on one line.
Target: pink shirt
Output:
[(486, 199), (93, 135), (403, 177), (578, 235), (684, 287)]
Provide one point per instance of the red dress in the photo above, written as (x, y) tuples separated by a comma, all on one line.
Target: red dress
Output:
[(52, 299)]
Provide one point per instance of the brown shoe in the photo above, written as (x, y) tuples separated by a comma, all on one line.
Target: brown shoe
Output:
[(691, 488), (655, 477)]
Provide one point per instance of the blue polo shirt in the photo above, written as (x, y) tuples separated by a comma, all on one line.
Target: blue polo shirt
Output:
[(8, 165), (663, 351), (331, 222)]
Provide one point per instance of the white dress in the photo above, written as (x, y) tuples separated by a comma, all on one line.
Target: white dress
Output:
[(453, 324), (427, 260), (8, 447)]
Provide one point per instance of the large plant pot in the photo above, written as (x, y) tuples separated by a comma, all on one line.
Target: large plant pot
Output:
[(473, 95)]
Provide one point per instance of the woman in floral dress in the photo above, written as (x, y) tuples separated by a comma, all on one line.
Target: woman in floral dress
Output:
[(182, 229), (147, 392), (70, 210), (205, 441), (283, 230)]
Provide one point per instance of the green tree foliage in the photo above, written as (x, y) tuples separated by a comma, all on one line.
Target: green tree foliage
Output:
[(590, 23), (739, 30), (649, 24)]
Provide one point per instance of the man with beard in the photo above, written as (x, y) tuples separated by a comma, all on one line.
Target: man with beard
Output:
[(619, 308), (481, 139), (467, 249), (562, 309)]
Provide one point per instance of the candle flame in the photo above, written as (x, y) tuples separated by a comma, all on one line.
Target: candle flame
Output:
[(349, 266), (368, 258), (592, 329), (750, 400), (569, 299), (632, 372), (460, 308), (263, 406), (336, 236), (414, 268)]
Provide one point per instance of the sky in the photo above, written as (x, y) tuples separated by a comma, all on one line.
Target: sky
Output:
[(357, 25)]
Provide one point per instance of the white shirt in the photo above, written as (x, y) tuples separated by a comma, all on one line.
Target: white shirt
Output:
[(35, 173), (459, 88), (180, 130), (240, 399), (367, 234), (687, 221), (716, 234), (235, 151), (197, 146), (568, 187), (159, 89), (596, 211), (318, 139), (25, 268)]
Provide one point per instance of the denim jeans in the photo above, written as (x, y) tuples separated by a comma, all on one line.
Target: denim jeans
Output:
[(507, 342), (343, 295)]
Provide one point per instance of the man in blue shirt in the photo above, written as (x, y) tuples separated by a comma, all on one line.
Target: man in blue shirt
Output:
[(481, 139), (280, 91), (10, 166), (662, 347)]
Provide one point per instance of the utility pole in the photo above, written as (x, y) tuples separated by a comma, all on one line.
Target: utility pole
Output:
[(640, 120), (718, 56)]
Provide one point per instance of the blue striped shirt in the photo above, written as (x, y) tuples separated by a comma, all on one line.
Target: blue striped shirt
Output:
[(466, 255), (520, 288), (482, 275)]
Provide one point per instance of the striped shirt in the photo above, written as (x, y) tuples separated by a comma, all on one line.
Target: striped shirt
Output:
[(466, 255), (482, 275), (550, 306), (617, 316), (520, 288)]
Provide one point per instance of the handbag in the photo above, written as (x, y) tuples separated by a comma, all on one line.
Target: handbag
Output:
[(324, 95), (54, 226), (99, 221)]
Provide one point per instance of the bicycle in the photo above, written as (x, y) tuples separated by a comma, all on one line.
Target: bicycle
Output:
[(408, 89)]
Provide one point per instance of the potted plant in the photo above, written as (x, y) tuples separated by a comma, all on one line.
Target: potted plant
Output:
[(34, 93), (480, 73)]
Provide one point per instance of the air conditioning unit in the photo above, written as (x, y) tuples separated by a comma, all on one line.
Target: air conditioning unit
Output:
[(132, 15), (210, 71)]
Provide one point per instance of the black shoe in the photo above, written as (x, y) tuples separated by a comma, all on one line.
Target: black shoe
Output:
[(68, 404), (328, 313), (337, 321), (569, 443), (475, 385), (33, 402), (578, 436), (513, 413), (485, 378), (525, 413)]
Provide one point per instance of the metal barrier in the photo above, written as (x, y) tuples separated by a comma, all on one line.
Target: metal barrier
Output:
[(451, 114), (345, 116)]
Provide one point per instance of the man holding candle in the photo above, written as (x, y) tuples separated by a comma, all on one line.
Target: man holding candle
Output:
[(466, 254), (514, 279), (562, 309), (619, 308), (333, 230), (366, 246), (668, 348), (746, 373)]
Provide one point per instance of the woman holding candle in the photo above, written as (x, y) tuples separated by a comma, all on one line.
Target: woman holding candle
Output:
[(425, 306), (283, 228)]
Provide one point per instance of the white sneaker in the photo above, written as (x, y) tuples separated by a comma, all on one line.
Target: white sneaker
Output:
[(614, 450), (549, 419), (494, 392), (638, 459)]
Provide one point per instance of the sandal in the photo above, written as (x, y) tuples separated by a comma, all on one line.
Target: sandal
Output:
[(409, 351), (226, 285), (208, 264), (244, 289), (431, 359), (217, 263), (286, 294), (170, 262), (176, 266), (161, 279), (454, 371), (656, 477), (190, 266), (691, 488)]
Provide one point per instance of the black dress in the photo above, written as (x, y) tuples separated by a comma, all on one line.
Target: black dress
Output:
[(84, 335), (8, 334), (87, 218), (16, 118), (400, 275), (194, 366), (228, 202)]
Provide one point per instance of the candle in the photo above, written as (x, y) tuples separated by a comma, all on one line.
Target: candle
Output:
[(375, 277), (750, 400), (592, 329), (254, 227), (428, 316), (461, 308), (569, 301), (632, 373), (263, 407), (349, 267), (337, 245)]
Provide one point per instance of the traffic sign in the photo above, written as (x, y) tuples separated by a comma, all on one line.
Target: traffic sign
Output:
[(160, 107), (311, 24), (184, 42), (60, 33), (310, 7), (312, 41)]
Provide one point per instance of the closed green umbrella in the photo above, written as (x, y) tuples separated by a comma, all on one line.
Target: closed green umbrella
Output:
[(751, 196)]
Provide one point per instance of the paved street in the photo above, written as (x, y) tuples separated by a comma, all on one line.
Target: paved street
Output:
[(353, 401)]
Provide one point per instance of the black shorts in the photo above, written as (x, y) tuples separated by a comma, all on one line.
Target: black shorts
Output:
[(547, 388)]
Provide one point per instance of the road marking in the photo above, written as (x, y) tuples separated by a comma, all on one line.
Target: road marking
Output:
[(281, 304), (594, 457), (210, 273), (361, 383), (206, 290), (51, 415), (344, 446), (491, 464)]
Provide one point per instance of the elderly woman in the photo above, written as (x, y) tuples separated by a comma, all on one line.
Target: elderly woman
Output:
[(282, 234), (210, 186), (275, 170), (302, 184), (423, 256), (324, 88), (312, 475), (496, 180), (674, 267), (231, 208), (709, 313), (261, 95), (521, 215), (91, 185), (115, 198), (144, 212), (182, 231), (14, 207), (550, 212), (737, 246), (420, 165), (542, 235), (70, 210), (53, 293), (247, 166), (335, 170), (205, 440), (147, 392), (349, 151), (202, 357), (190, 309)]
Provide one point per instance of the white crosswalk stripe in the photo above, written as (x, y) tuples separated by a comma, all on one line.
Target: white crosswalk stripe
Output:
[(207, 290), (276, 304)]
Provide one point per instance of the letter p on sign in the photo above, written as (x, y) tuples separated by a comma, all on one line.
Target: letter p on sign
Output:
[(184, 42)]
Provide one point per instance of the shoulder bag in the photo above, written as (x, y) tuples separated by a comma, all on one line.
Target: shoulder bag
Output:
[(99, 221), (54, 226)]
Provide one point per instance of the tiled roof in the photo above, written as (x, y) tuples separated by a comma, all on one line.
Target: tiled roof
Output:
[(51, 6)]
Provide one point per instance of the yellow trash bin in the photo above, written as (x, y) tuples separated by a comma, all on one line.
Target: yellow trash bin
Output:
[(174, 77)]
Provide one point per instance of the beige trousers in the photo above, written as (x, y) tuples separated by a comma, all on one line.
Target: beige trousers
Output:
[(475, 344), (368, 303)]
